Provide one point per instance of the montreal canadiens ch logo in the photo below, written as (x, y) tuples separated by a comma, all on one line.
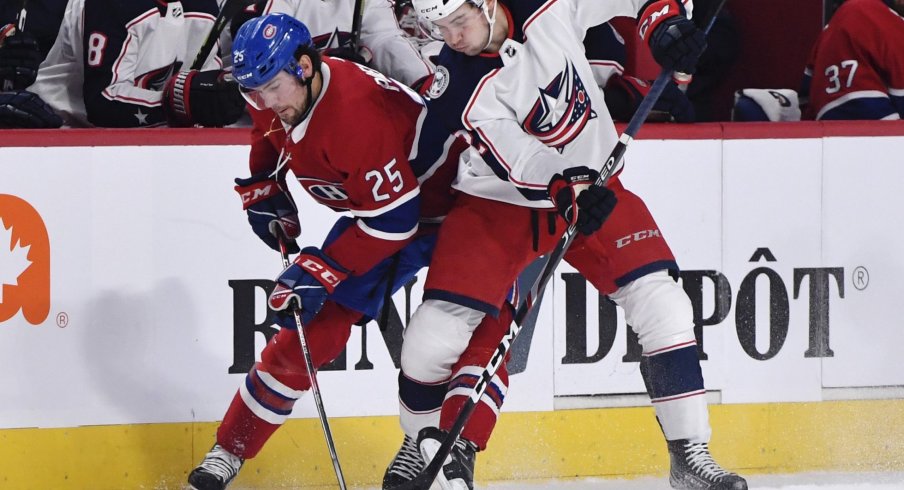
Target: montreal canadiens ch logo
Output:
[(323, 190), (561, 111), (269, 31)]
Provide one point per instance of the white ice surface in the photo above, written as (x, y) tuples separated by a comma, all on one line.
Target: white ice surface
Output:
[(803, 481), (799, 481)]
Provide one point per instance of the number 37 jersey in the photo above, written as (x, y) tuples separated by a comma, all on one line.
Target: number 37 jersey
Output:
[(363, 148), (857, 64)]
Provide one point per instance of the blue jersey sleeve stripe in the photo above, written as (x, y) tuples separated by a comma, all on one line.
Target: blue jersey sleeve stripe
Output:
[(400, 201), (897, 98), (393, 237), (869, 104), (398, 221)]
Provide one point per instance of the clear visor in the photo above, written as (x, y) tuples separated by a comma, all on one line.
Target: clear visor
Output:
[(429, 29), (434, 31), (254, 97)]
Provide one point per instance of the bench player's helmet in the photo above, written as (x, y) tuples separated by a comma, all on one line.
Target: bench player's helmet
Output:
[(266, 45), (430, 11)]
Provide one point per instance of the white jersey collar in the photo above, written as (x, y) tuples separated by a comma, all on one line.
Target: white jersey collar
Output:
[(299, 131)]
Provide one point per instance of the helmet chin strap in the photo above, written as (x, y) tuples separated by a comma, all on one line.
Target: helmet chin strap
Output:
[(491, 21), (305, 82)]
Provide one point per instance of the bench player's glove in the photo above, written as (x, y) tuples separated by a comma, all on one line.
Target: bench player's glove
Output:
[(579, 200), (269, 205), (23, 109), (20, 57), (624, 94), (305, 284), (346, 53), (675, 42), (205, 98)]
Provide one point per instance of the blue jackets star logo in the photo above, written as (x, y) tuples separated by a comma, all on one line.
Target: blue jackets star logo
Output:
[(561, 111)]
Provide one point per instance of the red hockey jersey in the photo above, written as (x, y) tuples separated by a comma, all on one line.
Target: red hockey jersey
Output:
[(857, 64), (358, 151)]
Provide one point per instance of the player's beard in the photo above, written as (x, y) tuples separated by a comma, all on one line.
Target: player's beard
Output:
[(290, 116)]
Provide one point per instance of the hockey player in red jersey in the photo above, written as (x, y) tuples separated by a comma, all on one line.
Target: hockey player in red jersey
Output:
[(856, 69), (514, 76), (394, 181)]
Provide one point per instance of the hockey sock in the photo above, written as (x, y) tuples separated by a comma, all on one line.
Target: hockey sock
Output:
[(467, 372), (674, 382)]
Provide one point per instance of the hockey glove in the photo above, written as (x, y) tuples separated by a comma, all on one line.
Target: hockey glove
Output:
[(205, 98), (23, 109), (346, 53), (625, 93), (675, 42), (306, 283), (269, 205), (579, 200), (19, 59)]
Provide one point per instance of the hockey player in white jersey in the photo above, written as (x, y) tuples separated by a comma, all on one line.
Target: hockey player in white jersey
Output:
[(126, 64), (514, 77)]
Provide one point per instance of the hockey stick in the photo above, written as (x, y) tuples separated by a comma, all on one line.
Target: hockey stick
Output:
[(312, 374), (357, 15), (229, 10), (20, 19), (20, 26), (426, 477)]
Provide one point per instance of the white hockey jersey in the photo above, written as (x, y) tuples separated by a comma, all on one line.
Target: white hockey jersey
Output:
[(534, 109), (110, 59), (330, 23)]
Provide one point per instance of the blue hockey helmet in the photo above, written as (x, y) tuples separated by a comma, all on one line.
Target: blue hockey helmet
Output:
[(265, 45)]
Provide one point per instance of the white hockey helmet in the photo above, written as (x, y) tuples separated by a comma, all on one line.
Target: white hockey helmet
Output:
[(430, 11), (434, 10)]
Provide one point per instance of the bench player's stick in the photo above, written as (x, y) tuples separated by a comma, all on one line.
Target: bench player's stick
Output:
[(230, 8), (357, 15), (20, 26)]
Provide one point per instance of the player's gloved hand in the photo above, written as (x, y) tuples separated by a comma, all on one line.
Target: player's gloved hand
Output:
[(206, 98), (345, 53), (306, 283), (23, 109), (19, 58), (675, 42), (269, 205), (579, 200), (625, 93)]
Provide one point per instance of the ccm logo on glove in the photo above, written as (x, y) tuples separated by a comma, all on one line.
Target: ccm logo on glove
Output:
[(257, 192), (653, 17), (327, 276)]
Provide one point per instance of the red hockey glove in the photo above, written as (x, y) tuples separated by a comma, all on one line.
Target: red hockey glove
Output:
[(306, 283), (202, 97), (269, 205), (675, 42), (579, 200)]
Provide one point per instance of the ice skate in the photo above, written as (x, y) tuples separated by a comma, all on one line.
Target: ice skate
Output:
[(693, 467), (457, 472), (406, 465), (216, 471)]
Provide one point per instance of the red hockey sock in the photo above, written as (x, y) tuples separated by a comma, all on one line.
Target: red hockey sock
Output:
[(242, 433)]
